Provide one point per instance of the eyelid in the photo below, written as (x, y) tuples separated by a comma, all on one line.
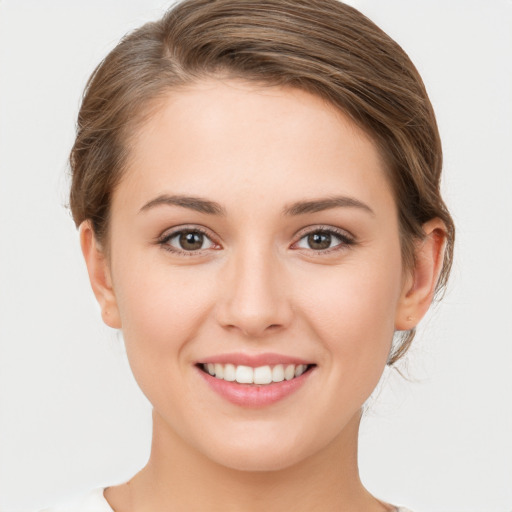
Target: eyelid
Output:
[(170, 233), (347, 238)]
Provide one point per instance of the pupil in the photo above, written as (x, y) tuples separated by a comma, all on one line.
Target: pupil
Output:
[(191, 241), (319, 240)]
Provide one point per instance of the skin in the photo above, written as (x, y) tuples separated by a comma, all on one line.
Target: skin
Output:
[(258, 286)]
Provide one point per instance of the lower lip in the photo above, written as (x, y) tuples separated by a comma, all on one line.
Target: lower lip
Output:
[(254, 395)]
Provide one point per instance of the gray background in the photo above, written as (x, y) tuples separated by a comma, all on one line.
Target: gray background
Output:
[(71, 416)]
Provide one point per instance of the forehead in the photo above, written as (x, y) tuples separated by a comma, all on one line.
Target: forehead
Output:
[(224, 137)]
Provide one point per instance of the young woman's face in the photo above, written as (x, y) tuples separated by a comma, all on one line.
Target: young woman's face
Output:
[(255, 228)]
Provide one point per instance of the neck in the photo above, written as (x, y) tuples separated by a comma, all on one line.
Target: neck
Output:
[(178, 477)]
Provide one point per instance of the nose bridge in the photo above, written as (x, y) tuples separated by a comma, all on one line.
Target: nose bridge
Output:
[(254, 294)]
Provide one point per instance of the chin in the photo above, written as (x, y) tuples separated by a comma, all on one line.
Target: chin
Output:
[(261, 453), (257, 460)]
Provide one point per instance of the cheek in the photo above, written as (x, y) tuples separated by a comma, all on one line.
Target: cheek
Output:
[(352, 311), (161, 310)]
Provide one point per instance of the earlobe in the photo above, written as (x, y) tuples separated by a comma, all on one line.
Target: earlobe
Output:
[(99, 275), (420, 286)]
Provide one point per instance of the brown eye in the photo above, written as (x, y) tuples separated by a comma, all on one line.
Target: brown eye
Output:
[(191, 241), (187, 241), (323, 240), (319, 241)]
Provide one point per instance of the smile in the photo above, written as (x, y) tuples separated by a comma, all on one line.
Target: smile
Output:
[(261, 375), (255, 381)]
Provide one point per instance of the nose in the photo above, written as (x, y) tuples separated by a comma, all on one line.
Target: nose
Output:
[(254, 299)]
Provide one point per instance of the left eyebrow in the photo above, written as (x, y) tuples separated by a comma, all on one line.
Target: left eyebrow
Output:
[(319, 205), (192, 203)]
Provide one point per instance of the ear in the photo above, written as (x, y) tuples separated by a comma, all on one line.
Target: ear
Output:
[(420, 285), (99, 275)]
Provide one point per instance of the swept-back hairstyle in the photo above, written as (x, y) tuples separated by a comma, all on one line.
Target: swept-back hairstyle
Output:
[(324, 47)]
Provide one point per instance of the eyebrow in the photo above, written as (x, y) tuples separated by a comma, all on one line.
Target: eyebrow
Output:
[(193, 203), (299, 208), (319, 205)]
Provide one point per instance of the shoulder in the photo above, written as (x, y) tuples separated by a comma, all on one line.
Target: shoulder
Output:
[(93, 501)]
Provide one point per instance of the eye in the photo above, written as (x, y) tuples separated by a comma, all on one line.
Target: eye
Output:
[(321, 240), (186, 240)]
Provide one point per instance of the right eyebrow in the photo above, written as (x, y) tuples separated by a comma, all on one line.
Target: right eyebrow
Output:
[(318, 205), (197, 204)]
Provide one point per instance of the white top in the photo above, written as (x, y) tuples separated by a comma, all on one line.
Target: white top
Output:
[(96, 502)]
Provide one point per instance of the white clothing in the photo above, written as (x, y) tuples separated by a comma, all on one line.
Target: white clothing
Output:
[(96, 502)]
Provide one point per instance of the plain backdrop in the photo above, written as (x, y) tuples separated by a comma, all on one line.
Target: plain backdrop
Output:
[(71, 416)]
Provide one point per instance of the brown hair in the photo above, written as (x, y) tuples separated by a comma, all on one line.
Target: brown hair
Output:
[(321, 46)]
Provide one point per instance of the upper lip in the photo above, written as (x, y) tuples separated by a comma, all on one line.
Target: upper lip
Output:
[(253, 360)]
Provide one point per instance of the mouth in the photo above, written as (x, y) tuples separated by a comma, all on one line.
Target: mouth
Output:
[(255, 380), (261, 375)]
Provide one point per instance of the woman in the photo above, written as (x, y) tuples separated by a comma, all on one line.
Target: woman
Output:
[(257, 190)]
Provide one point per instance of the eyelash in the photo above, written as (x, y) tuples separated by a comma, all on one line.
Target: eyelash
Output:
[(345, 240), (164, 240)]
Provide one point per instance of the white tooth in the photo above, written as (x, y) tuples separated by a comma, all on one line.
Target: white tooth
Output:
[(211, 368), (262, 375), (229, 372), (244, 375), (219, 371), (278, 373), (300, 370), (289, 372)]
